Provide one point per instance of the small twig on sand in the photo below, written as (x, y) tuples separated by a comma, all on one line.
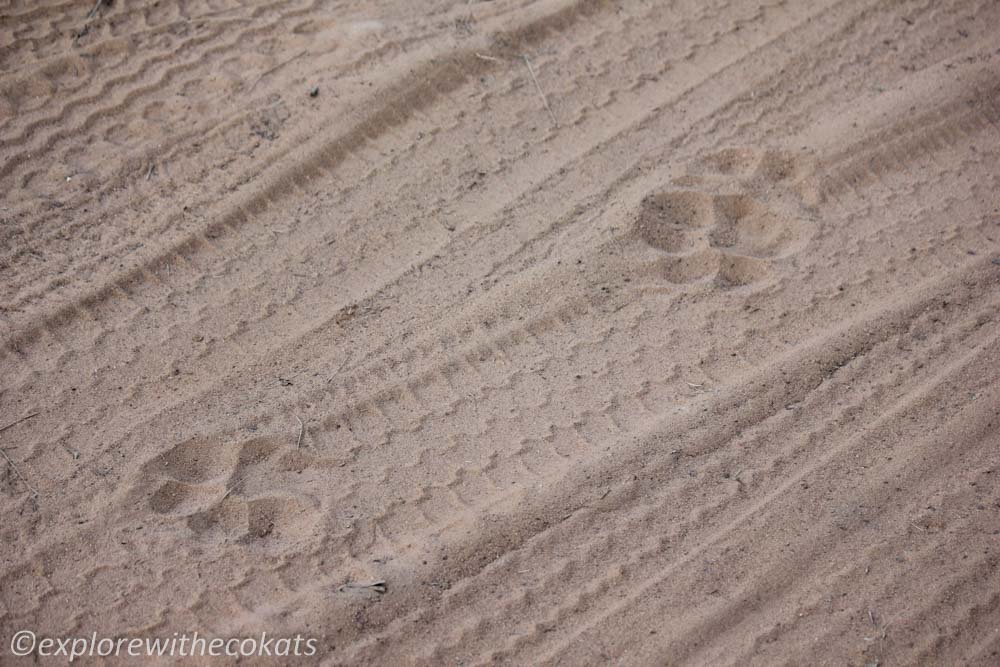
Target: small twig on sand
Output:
[(34, 491), (94, 11), (378, 586), (22, 419), (339, 368), (490, 58), (231, 489), (275, 69), (302, 429), (545, 100), (97, 7)]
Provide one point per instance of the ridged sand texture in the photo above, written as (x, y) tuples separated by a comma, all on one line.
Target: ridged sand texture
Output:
[(633, 333)]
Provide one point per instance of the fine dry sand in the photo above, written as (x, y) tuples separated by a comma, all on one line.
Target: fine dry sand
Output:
[(625, 332)]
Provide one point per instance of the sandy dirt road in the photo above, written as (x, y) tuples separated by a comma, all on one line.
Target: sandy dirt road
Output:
[(593, 333)]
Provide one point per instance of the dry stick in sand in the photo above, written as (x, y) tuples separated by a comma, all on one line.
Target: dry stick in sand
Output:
[(302, 428), (22, 419), (97, 7), (231, 489), (541, 94), (378, 586), (34, 491), (275, 69)]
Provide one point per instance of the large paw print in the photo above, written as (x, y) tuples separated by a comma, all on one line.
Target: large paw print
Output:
[(728, 221), (225, 490)]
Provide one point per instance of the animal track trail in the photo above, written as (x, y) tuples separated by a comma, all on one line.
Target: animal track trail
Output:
[(729, 220), (221, 489)]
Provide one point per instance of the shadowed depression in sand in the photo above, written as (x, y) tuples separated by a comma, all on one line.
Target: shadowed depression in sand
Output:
[(504, 332)]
